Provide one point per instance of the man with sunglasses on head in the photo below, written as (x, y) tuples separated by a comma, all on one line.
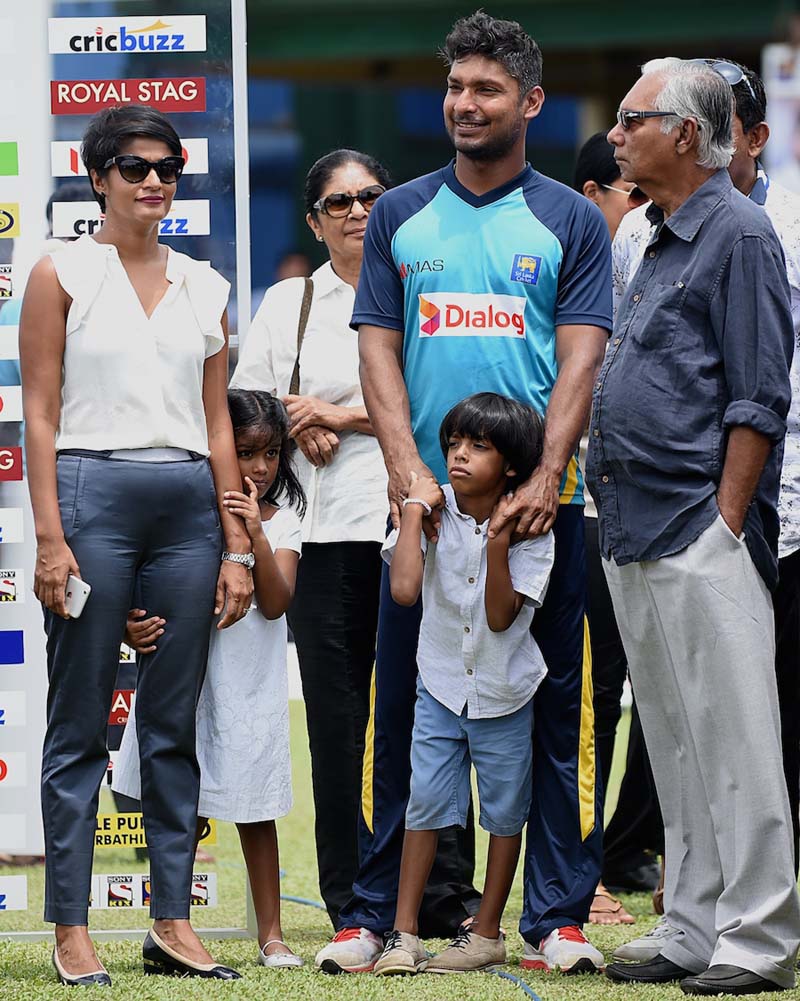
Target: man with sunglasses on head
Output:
[(487, 276), (685, 448), (750, 135)]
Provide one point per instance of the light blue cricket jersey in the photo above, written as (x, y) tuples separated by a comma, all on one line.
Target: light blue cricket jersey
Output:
[(478, 285)]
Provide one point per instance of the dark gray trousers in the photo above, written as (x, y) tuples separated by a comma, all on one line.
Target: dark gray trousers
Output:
[(149, 529)]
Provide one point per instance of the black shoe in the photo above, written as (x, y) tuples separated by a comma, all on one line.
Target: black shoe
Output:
[(97, 979), (726, 979), (159, 958), (641, 878), (653, 971)]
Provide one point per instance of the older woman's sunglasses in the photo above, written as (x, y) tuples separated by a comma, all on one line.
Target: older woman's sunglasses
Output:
[(134, 169), (340, 203)]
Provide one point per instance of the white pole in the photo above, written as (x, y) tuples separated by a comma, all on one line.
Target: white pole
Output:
[(241, 165)]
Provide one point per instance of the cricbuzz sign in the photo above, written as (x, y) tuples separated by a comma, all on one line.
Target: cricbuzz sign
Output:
[(120, 891), (189, 217), (104, 35)]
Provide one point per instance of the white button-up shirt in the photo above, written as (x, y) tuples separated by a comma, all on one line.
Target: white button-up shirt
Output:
[(783, 209), (461, 661), (129, 381), (347, 499)]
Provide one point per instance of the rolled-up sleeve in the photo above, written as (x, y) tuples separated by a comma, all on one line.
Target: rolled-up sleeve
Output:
[(752, 320)]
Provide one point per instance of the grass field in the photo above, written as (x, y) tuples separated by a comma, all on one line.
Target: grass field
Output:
[(26, 974)]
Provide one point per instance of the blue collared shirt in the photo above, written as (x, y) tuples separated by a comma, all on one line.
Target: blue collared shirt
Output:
[(702, 343)]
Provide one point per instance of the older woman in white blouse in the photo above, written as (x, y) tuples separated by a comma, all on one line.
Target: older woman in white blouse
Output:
[(123, 347), (335, 611)]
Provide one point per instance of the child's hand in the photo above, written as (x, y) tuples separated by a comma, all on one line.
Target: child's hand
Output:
[(246, 507), (426, 488), (141, 633)]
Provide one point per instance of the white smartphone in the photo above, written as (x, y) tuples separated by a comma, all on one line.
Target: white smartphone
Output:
[(77, 593)]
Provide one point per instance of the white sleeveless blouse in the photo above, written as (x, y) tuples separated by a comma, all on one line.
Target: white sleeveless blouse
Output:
[(129, 381)]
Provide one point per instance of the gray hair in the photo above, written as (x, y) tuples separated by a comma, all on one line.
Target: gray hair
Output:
[(693, 90)]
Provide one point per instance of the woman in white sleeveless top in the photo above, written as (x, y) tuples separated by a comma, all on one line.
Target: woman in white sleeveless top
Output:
[(123, 346)]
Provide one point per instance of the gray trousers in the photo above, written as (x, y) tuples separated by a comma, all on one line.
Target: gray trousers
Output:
[(150, 530), (698, 631)]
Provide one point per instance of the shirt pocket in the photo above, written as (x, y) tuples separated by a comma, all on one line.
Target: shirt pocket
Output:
[(658, 314)]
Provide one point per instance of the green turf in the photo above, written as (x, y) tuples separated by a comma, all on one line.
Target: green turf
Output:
[(25, 971)]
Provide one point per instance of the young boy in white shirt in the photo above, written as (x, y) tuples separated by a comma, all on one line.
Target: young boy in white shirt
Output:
[(479, 667)]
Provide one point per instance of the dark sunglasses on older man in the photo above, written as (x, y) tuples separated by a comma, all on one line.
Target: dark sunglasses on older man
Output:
[(625, 117), (134, 169), (340, 203)]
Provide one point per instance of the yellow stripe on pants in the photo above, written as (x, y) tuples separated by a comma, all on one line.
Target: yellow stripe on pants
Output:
[(367, 771), (586, 751)]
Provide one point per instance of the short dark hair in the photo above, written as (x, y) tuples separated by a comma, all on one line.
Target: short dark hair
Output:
[(72, 190), (515, 429), (111, 128), (322, 171), (506, 42), (749, 109), (595, 162), (257, 410)]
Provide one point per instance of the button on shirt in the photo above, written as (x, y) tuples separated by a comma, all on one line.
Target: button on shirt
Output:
[(130, 381), (461, 661), (783, 209), (702, 343), (347, 499)]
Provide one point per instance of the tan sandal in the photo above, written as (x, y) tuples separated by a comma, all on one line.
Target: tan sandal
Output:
[(607, 909)]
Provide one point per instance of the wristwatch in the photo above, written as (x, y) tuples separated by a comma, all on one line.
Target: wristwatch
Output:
[(246, 559)]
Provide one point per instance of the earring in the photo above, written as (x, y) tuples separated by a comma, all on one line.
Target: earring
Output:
[(320, 239)]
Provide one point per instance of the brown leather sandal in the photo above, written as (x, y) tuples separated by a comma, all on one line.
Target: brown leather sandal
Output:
[(607, 909)]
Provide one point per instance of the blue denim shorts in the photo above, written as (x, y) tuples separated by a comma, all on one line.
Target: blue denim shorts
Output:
[(443, 747)]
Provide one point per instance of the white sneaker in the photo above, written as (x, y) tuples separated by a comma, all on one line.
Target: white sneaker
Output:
[(648, 946), (351, 950), (404, 953), (565, 949)]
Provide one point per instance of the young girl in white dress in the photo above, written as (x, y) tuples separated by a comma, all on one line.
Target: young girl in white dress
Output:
[(243, 712)]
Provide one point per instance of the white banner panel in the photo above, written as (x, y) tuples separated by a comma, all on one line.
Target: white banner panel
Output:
[(13, 893), (102, 35), (10, 403), (11, 529), (9, 343), (13, 708), (13, 770), (190, 217)]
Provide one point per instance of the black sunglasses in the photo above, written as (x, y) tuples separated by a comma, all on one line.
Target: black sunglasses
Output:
[(134, 169), (728, 71), (340, 203), (625, 117)]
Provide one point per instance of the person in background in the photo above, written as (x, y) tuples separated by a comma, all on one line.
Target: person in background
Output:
[(685, 447), (750, 136), (335, 611), (636, 831), (123, 351), (293, 264)]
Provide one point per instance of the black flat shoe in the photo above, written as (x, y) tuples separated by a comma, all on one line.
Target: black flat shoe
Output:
[(160, 959), (99, 978), (724, 979), (642, 878), (653, 971)]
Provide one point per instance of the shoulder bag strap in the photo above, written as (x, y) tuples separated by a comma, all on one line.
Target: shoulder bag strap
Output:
[(305, 309)]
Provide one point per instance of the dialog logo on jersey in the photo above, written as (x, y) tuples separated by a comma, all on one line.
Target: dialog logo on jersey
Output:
[(12, 586), (65, 159), (97, 35), (526, 268), (167, 94), (9, 219), (190, 217), (6, 281), (469, 314)]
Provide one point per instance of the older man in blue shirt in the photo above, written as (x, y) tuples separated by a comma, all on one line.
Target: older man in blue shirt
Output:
[(685, 450)]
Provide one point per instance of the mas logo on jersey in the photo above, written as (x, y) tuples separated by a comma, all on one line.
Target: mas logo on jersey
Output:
[(526, 268), (418, 267), (468, 314)]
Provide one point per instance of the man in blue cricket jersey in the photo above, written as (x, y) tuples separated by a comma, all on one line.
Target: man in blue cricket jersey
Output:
[(487, 276)]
